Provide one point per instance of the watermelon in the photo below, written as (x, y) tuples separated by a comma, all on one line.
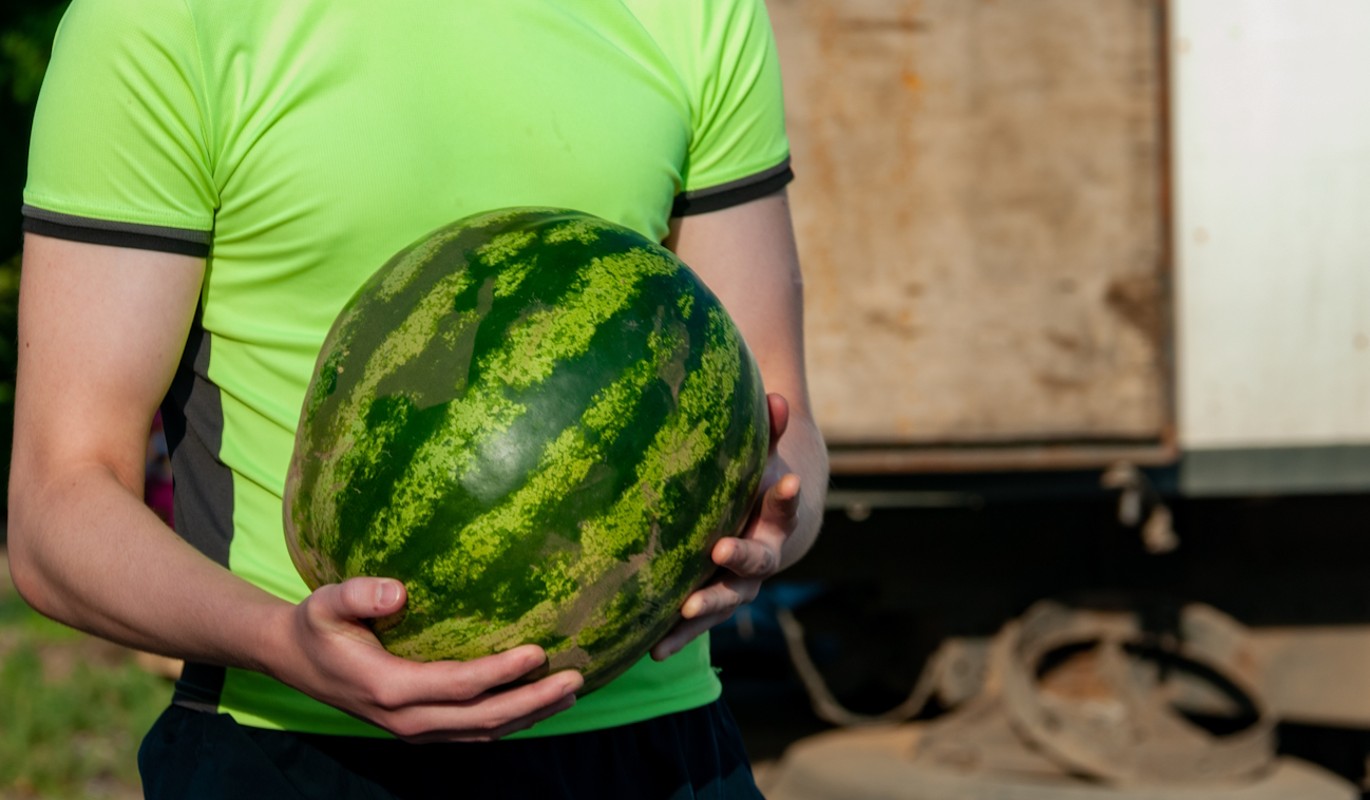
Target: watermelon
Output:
[(540, 422)]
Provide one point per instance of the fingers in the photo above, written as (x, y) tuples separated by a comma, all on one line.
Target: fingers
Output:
[(749, 562), (748, 559), (338, 660), (705, 609), (721, 597), (409, 682), (513, 724), (486, 715), (771, 525), (751, 557), (684, 633), (781, 503)]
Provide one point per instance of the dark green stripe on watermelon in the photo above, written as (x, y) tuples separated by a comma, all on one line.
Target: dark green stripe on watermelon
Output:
[(541, 422)]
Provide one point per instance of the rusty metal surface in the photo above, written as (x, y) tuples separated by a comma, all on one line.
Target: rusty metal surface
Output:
[(981, 215)]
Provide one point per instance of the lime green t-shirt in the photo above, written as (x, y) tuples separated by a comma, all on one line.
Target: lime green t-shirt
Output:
[(297, 146)]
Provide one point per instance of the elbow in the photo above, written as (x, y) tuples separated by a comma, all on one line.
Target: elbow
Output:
[(28, 587), (25, 573), (25, 578)]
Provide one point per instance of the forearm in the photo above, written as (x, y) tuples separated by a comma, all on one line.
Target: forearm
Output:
[(804, 453), (85, 551)]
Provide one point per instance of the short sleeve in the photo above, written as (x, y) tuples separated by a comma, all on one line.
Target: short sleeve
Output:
[(739, 149), (120, 139)]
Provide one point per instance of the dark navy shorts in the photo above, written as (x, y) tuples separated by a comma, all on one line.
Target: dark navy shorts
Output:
[(694, 754)]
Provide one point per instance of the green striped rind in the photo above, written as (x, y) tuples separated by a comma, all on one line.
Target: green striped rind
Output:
[(541, 422)]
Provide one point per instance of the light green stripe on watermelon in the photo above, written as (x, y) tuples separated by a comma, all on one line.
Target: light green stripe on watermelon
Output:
[(584, 231), (505, 247), (508, 252), (563, 332), (686, 304)]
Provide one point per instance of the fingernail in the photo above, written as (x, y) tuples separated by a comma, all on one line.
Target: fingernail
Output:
[(388, 593)]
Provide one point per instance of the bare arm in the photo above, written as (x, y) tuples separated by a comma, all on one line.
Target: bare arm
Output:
[(746, 254), (100, 333)]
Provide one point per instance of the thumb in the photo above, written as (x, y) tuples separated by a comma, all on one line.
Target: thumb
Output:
[(368, 598), (779, 409)]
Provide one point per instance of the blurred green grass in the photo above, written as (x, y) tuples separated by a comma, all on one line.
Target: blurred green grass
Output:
[(73, 708)]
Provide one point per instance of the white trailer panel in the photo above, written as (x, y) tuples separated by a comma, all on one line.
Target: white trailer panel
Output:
[(1272, 137)]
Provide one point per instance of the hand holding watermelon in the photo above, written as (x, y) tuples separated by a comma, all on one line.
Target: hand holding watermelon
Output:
[(338, 660)]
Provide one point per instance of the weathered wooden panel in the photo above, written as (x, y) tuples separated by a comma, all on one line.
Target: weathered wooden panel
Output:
[(980, 216)]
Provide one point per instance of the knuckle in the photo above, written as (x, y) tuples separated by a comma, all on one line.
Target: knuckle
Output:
[(312, 622), (313, 608), (756, 561), (383, 696)]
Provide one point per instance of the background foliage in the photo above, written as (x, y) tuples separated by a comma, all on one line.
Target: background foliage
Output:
[(73, 709), (26, 30)]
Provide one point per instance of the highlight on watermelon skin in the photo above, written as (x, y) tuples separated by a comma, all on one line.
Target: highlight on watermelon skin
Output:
[(540, 422)]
